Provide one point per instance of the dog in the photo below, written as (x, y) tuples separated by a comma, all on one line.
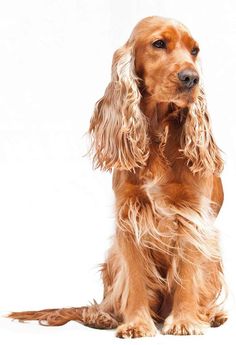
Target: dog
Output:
[(152, 130)]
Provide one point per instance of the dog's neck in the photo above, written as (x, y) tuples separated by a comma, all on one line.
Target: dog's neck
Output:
[(166, 123), (163, 115)]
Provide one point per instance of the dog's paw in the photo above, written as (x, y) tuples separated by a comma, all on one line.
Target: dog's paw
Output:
[(99, 319), (218, 320), (136, 330), (182, 327)]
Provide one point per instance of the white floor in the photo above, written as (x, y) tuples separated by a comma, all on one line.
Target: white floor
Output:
[(12, 332)]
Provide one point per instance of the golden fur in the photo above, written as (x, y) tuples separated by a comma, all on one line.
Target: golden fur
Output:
[(165, 264)]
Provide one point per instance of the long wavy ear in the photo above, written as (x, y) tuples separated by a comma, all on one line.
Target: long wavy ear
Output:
[(118, 128), (197, 141)]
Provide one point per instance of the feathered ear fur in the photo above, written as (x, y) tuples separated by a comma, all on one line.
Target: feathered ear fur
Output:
[(197, 141), (118, 128)]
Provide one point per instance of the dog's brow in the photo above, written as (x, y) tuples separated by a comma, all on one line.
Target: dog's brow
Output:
[(188, 40), (170, 34)]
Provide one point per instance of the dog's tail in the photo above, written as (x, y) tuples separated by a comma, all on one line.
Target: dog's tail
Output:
[(91, 316)]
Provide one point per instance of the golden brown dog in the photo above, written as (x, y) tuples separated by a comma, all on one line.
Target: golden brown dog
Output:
[(152, 129)]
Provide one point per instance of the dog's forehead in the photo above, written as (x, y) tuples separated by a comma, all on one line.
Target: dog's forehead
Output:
[(156, 27)]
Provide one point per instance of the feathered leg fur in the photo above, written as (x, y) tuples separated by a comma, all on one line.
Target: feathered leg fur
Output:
[(140, 275)]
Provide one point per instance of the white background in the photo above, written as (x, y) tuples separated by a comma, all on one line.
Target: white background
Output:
[(56, 213)]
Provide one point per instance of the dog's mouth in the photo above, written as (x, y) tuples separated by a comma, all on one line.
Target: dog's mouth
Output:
[(185, 97), (172, 93)]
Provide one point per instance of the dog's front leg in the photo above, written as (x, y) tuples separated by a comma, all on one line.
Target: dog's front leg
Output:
[(136, 314), (134, 298), (184, 318)]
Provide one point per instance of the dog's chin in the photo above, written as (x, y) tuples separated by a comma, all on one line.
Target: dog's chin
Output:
[(179, 98), (184, 100)]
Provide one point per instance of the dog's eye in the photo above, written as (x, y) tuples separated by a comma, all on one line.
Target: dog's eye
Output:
[(159, 44), (195, 51)]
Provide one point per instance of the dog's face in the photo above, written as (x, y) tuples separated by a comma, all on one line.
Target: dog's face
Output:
[(166, 59)]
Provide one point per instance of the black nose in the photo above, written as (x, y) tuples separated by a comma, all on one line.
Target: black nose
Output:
[(189, 78)]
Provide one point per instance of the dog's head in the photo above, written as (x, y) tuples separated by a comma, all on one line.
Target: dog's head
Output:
[(158, 63), (166, 60)]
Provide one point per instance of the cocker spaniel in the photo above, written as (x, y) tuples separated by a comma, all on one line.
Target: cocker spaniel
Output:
[(152, 129)]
